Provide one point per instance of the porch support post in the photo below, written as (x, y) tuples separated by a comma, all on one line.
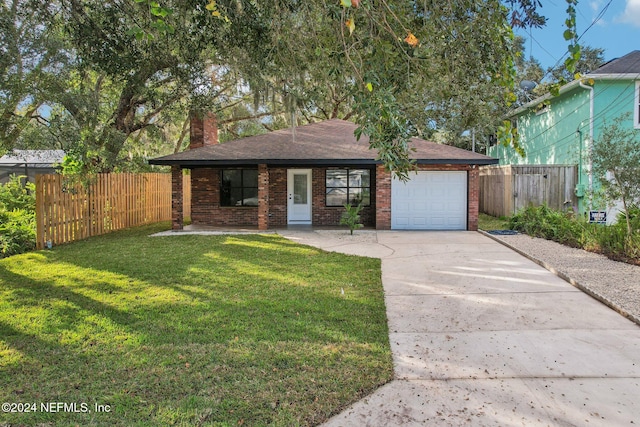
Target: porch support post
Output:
[(177, 197), (383, 198), (473, 190), (263, 197)]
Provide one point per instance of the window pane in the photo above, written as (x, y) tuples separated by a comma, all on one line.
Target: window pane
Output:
[(300, 189), (359, 178), (250, 177), (236, 197), (336, 178), (250, 197), (232, 178), (225, 196), (357, 195), (336, 196)]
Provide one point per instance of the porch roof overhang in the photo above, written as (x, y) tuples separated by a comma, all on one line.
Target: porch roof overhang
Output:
[(329, 143)]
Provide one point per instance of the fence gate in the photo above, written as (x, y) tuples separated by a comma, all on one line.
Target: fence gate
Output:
[(504, 190)]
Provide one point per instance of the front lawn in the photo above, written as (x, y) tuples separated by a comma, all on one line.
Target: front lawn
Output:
[(189, 330)]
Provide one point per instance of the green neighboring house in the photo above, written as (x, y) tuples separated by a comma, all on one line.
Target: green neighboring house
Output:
[(559, 130)]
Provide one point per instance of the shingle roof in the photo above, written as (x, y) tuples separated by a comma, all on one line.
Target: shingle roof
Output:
[(33, 158), (628, 64), (330, 142)]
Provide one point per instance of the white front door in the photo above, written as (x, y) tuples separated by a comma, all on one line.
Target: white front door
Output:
[(299, 196)]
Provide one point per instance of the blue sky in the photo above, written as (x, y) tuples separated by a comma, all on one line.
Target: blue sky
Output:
[(613, 25)]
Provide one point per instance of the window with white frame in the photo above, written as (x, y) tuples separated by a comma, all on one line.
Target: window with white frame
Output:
[(636, 107)]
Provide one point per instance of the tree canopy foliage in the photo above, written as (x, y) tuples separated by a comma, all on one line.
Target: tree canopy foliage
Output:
[(616, 162), (113, 82)]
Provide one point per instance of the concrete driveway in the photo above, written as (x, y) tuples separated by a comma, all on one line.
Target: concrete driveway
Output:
[(483, 336)]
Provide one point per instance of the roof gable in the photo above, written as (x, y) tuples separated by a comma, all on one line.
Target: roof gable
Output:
[(328, 142)]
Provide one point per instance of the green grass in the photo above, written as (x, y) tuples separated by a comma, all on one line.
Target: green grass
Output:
[(487, 222), (190, 330)]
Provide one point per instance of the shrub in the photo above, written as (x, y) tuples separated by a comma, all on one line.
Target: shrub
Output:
[(541, 221), (563, 227), (17, 217), (17, 232)]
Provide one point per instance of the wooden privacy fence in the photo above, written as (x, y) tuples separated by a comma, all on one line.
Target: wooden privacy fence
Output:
[(112, 202), (504, 190)]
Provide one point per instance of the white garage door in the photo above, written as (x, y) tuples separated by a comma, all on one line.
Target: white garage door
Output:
[(430, 200)]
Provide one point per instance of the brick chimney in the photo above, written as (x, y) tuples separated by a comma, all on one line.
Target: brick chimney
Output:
[(204, 130)]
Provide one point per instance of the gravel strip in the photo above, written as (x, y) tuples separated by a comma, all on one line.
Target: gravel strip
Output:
[(616, 284)]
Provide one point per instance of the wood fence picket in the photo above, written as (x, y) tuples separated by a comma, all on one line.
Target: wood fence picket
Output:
[(111, 202)]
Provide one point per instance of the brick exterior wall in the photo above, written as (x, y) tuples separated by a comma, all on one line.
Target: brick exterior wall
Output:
[(206, 209), (205, 202), (330, 215), (383, 198), (473, 201), (263, 197), (177, 197), (277, 197)]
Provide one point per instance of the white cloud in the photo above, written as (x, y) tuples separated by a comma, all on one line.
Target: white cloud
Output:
[(595, 5), (631, 14)]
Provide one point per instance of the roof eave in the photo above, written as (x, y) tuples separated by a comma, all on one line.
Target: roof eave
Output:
[(311, 162), (612, 76), (564, 89), (571, 85)]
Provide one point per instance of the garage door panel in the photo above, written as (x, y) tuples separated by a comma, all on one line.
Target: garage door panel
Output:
[(403, 207), (430, 200), (420, 206), (403, 221)]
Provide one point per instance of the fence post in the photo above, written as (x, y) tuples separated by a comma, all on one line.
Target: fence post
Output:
[(111, 202), (39, 214)]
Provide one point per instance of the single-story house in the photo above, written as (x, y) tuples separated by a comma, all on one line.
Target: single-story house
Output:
[(29, 163), (304, 175)]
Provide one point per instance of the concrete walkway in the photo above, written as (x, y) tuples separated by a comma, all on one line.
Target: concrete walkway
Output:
[(483, 336)]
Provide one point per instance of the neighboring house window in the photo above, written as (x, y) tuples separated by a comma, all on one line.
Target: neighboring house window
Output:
[(348, 186), (239, 187), (636, 107)]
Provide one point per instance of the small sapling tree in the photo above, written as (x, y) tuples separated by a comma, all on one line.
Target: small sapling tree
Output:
[(351, 217), (616, 162)]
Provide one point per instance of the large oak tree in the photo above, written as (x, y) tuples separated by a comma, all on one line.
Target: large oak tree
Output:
[(398, 68)]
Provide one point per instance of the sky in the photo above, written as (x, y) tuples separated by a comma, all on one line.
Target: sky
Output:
[(613, 25)]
